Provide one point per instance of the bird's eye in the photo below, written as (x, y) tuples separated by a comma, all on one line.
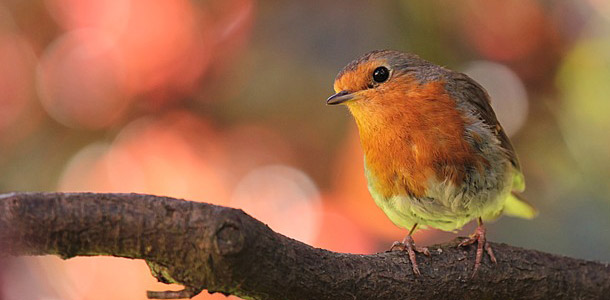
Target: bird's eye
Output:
[(381, 74)]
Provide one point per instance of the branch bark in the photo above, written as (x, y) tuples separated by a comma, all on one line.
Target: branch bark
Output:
[(204, 246)]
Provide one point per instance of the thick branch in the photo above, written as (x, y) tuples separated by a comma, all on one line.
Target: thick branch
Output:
[(220, 249)]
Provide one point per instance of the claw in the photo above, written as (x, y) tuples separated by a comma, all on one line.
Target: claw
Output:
[(490, 252), (398, 245), (479, 238), (408, 245)]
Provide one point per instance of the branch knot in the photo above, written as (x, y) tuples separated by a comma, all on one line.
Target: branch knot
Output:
[(229, 238)]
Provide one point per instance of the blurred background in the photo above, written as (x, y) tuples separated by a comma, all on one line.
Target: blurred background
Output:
[(223, 101)]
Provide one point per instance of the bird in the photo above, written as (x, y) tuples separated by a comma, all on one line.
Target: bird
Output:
[(435, 154)]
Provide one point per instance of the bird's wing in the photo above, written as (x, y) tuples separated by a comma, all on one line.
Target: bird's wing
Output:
[(476, 95)]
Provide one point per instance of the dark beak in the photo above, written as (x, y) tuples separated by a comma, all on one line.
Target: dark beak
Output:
[(340, 97)]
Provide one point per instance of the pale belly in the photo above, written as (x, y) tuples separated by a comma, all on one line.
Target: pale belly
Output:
[(446, 206)]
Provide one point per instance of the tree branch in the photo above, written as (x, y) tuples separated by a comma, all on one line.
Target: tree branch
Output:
[(203, 246)]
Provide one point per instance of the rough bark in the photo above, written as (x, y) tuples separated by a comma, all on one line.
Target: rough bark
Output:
[(204, 246)]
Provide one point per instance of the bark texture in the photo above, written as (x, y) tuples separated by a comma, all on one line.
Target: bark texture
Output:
[(204, 246)]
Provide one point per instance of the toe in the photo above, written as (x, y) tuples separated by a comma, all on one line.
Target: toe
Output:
[(490, 252), (423, 250), (416, 270), (398, 246), (467, 242)]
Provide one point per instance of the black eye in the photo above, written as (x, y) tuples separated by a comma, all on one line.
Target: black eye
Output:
[(381, 74)]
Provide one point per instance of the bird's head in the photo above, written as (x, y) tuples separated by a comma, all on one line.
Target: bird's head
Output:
[(369, 79)]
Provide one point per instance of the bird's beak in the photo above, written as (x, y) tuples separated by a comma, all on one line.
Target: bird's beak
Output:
[(341, 97)]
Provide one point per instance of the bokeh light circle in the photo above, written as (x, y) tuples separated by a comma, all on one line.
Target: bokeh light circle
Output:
[(85, 170), (109, 16), (176, 155), (505, 30), (506, 90), (601, 6), (283, 197), (80, 80), (166, 47), (583, 80)]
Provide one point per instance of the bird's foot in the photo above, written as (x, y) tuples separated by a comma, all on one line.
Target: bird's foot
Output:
[(479, 237), (408, 245)]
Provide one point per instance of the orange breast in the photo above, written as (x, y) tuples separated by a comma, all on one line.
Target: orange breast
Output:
[(411, 135)]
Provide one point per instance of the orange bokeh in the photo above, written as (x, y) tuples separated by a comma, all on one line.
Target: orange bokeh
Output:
[(17, 65), (339, 233), (176, 155), (106, 277), (16, 69), (232, 22), (114, 52), (81, 80), (108, 16), (166, 46), (503, 30)]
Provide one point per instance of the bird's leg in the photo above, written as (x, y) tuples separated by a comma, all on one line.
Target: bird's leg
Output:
[(409, 245), (479, 237)]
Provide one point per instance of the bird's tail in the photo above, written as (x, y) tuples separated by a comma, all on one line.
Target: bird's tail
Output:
[(517, 206)]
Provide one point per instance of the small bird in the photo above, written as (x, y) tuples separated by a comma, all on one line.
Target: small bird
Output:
[(434, 152)]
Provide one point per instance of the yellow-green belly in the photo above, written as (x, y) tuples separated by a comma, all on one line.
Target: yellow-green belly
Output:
[(444, 206)]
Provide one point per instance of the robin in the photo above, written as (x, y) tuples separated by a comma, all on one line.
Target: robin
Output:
[(434, 152)]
